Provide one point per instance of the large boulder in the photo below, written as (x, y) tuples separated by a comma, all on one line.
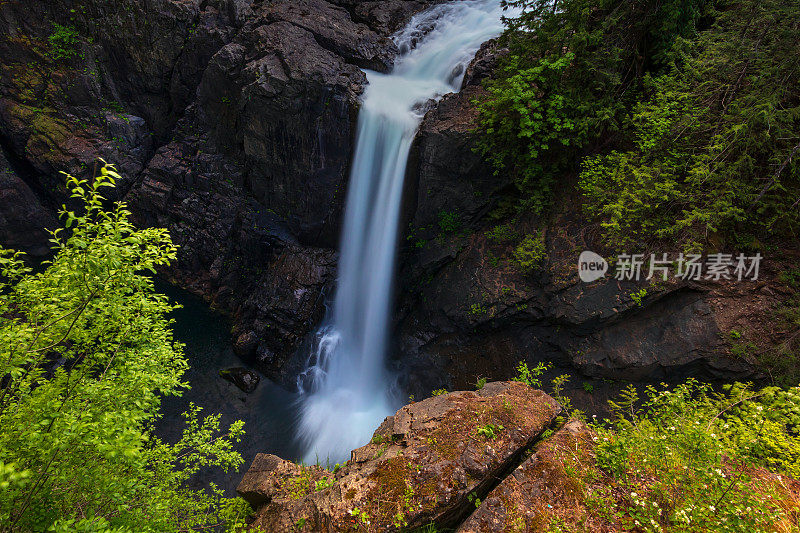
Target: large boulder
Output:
[(245, 379), (428, 463)]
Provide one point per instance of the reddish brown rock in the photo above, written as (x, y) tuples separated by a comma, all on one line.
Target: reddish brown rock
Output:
[(270, 476), (540, 489), (427, 463)]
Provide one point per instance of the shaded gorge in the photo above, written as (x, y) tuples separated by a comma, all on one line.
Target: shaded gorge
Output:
[(269, 412)]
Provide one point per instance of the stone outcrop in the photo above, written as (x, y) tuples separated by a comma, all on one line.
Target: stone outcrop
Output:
[(386, 16), (467, 310), (245, 379), (428, 463), (436, 466)]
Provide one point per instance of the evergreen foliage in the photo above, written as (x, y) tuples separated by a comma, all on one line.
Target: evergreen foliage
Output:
[(714, 143), (575, 67), (681, 116)]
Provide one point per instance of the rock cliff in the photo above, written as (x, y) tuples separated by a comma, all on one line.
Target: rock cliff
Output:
[(233, 121), (466, 310)]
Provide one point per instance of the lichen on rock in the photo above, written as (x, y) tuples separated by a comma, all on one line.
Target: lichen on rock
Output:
[(428, 463)]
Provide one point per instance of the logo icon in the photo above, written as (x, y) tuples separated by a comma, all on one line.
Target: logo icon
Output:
[(591, 266)]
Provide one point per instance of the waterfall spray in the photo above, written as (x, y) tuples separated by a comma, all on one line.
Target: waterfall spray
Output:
[(347, 390)]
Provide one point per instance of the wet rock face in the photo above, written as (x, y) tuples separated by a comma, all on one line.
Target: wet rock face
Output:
[(333, 27), (427, 463), (450, 178), (286, 108), (245, 379), (232, 122), (24, 221), (386, 16), (236, 253)]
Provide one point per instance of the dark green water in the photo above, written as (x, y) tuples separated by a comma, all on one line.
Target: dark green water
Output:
[(269, 413)]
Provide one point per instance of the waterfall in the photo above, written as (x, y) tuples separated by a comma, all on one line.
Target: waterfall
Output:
[(347, 390)]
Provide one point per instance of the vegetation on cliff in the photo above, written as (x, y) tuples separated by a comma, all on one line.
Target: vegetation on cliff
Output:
[(681, 117), (672, 126), (86, 354)]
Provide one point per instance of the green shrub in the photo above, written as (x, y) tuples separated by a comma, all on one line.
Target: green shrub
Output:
[(87, 353), (689, 457), (449, 221), (782, 360), (502, 234), (638, 296), (531, 376), (791, 277), (63, 42), (530, 253), (490, 432), (477, 310), (569, 78), (692, 131), (710, 155)]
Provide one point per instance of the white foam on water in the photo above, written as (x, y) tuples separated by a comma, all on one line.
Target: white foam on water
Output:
[(346, 390)]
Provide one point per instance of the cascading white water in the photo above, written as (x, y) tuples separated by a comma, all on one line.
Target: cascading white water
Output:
[(347, 389)]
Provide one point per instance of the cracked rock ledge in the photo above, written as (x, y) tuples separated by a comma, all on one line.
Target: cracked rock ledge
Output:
[(452, 460)]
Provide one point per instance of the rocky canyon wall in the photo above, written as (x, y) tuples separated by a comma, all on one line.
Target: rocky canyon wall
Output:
[(232, 122)]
